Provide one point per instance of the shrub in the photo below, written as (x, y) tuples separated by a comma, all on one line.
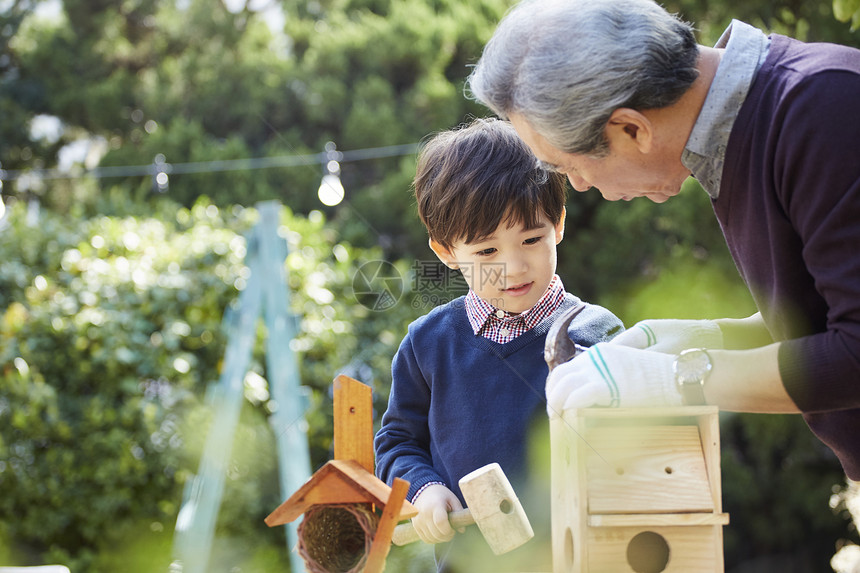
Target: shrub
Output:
[(110, 332)]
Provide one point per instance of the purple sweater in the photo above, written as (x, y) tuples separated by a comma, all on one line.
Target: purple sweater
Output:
[(789, 206)]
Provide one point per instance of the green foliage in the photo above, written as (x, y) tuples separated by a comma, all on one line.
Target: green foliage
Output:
[(196, 82), (847, 11), (110, 329), (777, 477), (815, 21), (613, 250), (109, 335)]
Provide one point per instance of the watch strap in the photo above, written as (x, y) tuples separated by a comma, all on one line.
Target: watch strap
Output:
[(693, 394)]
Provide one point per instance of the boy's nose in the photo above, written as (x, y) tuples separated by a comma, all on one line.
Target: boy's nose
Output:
[(516, 266)]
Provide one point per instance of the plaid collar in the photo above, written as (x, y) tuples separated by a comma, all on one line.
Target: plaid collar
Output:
[(500, 326)]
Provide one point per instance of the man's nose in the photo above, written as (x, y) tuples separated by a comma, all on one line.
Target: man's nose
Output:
[(578, 183)]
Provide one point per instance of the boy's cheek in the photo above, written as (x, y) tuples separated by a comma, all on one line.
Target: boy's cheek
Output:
[(492, 274), (468, 272)]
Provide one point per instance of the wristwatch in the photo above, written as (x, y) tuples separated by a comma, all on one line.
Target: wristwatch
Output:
[(692, 368)]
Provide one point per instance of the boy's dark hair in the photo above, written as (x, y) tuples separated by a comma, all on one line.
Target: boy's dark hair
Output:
[(471, 179)]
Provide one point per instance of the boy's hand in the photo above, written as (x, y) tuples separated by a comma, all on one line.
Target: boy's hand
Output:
[(612, 375), (671, 336), (431, 524)]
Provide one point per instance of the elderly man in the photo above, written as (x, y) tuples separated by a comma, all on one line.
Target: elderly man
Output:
[(617, 95)]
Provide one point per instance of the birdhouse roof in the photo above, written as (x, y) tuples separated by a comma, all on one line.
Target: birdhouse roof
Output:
[(338, 481)]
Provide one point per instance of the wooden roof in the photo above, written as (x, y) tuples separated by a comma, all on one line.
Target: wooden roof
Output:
[(338, 481)]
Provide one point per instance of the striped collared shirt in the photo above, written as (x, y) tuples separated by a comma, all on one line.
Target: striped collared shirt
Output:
[(502, 327)]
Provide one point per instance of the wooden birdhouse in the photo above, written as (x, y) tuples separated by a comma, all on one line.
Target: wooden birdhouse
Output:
[(341, 530), (637, 490)]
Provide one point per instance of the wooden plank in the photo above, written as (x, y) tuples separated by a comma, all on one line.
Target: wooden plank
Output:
[(385, 528), (655, 519), (375, 488), (296, 505), (353, 422), (709, 430), (334, 489), (648, 469), (568, 494), (362, 480), (691, 549)]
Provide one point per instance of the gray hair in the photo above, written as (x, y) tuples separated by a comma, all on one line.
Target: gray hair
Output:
[(566, 65)]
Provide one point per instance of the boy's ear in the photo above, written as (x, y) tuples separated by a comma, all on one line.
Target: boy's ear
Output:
[(444, 254), (559, 227), (628, 126)]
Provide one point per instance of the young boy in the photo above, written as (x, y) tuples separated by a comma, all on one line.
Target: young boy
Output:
[(468, 379)]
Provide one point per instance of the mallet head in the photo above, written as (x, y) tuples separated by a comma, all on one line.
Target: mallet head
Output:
[(496, 509)]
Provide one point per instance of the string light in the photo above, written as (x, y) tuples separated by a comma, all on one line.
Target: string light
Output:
[(331, 190), (218, 165)]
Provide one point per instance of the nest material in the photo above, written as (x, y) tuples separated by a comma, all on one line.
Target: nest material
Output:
[(336, 538)]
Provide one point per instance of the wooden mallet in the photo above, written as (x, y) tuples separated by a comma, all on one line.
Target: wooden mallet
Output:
[(492, 506)]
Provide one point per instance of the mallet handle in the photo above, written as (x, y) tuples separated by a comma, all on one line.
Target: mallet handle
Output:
[(405, 532)]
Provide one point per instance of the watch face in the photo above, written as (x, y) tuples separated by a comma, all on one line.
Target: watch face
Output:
[(692, 366)]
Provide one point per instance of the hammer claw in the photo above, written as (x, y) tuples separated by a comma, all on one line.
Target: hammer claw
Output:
[(559, 348)]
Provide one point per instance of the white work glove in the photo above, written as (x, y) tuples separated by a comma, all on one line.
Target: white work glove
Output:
[(671, 336), (612, 375), (433, 505)]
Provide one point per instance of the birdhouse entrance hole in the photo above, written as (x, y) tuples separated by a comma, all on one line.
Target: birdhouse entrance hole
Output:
[(568, 547), (336, 538), (648, 552)]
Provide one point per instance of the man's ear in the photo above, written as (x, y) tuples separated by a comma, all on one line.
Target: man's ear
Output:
[(559, 227), (445, 255), (627, 126)]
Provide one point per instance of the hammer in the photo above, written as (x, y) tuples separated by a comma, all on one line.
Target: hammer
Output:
[(492, 506), (559, 348)]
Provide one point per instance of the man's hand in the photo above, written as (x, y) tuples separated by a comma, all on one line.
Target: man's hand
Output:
[(612, 375), (671, 336), (431, 524)]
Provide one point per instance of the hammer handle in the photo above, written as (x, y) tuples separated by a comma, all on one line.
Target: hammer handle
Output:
[(405, 533)]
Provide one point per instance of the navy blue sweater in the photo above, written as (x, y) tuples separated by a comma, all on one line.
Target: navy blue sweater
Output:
[(459, 401), (789, 206)]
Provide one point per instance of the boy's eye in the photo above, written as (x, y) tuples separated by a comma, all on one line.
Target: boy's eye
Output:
[(532, 240), (486, 252)]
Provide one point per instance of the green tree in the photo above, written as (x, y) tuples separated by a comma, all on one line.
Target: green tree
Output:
[(195, 81), (847, 11), (110, 333)]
